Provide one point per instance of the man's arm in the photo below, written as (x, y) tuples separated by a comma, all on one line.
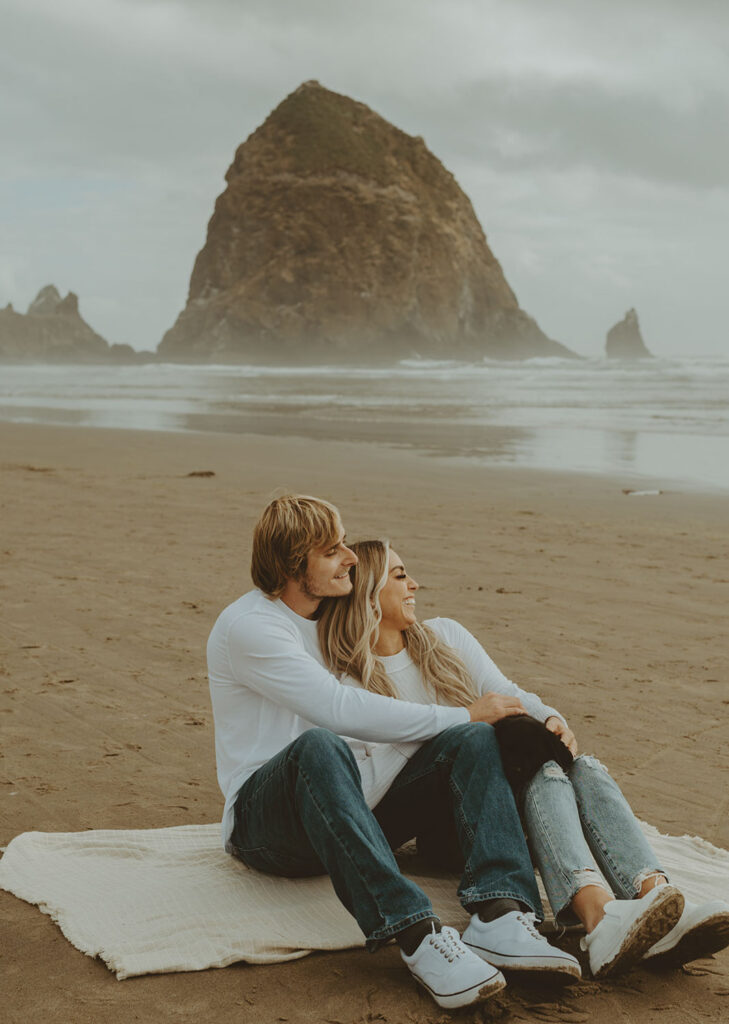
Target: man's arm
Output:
[(267, 656)]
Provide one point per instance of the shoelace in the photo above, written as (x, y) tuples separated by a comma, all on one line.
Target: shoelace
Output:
[(529, 922), (448, 943)]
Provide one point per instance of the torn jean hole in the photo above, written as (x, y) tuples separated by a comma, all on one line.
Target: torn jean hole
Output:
[(589, 876), (592, 761), (644, 876)]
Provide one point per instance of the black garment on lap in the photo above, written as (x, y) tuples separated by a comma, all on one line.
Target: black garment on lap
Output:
[(525, 745)]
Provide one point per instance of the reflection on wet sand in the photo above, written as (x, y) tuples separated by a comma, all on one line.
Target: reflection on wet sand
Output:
[(670, 424)]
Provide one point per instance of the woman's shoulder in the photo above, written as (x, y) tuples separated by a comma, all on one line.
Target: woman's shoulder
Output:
[(447, 629)]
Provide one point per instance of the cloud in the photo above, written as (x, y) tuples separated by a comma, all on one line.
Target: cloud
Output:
[(534, 124), (569, 125), (127, 83)]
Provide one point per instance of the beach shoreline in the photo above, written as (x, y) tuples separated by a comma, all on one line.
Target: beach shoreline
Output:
[(120, 548), (664, 422), (631, 482)]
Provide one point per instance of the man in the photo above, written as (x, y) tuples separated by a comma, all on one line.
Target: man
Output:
[(294, 804)]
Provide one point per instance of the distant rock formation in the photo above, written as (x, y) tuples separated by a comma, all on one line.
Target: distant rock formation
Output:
[(47, 301), (52, 331), (624, 340), (340, 238)]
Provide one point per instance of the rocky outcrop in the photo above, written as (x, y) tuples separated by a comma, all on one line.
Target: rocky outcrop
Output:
[(47, 301), (52, 331), (624, 340), (340, 238)]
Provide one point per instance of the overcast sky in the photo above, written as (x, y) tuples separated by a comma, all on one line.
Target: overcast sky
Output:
[(592, 138)]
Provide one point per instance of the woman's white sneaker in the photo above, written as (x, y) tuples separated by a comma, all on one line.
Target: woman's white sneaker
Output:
[(629, 929), (452, 974), (513, 943), (702, 930)]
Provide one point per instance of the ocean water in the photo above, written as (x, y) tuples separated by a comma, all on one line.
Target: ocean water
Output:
[(662, 421)]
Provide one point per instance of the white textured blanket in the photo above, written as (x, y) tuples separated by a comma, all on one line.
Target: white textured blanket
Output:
[(158, 900)]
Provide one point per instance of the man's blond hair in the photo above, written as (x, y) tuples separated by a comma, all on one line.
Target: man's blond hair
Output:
[(289, 528)]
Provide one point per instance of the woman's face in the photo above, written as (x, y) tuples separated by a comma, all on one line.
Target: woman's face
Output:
[(397, 597)]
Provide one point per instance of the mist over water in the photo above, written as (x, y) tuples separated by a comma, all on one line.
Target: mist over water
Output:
[(666, 420)]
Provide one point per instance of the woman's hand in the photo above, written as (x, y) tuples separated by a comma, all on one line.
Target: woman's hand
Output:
[(492, 707), (558, 727)]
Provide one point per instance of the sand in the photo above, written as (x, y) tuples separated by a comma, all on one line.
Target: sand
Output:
[(117, 558)]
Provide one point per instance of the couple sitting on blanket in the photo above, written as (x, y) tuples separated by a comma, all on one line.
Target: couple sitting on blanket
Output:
[(344, 727)]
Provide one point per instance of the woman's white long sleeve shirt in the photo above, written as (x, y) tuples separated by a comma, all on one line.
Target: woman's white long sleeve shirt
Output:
[(380, 763)]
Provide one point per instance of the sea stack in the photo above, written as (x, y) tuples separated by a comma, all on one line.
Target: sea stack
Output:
[(52, 331), (624, 340), (341, 239)]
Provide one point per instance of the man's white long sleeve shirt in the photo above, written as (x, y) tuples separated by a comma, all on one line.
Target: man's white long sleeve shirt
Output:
[(268, 685)]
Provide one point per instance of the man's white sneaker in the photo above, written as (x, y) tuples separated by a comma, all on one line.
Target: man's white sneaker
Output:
[(513, 943), (452, 974), (702, 929), (629, 929)]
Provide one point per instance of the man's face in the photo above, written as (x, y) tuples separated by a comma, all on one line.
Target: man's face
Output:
[(327, 570)]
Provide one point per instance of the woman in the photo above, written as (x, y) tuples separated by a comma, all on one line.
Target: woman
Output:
[(576, 820)]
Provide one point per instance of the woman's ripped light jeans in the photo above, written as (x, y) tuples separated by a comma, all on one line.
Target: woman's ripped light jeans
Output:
[(581, 831)]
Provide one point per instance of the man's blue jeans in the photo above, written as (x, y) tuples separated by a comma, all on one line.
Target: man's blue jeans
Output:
[(303, 813)]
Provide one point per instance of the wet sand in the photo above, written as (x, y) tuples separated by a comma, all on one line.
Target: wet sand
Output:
[(115, 563)]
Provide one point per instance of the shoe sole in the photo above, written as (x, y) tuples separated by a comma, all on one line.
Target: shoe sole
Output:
[(560, 971), (705, 939), (477, 994), (568, 974), (645, 932)]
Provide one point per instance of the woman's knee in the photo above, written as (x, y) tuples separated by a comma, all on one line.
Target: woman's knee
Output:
[(547, 774), (590, 778), (587, 766)]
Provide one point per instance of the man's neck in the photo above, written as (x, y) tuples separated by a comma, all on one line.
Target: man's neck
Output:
[(304, 605), (389, 641)]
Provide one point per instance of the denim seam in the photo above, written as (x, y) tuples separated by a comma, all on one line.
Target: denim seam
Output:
[(466, 826), (627, 886), (546, 832), (617, 880), (622, 883), (556, 865), (262, 785)]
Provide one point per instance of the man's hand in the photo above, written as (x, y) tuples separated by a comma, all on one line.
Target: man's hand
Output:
[(492, 707), (557, 726)]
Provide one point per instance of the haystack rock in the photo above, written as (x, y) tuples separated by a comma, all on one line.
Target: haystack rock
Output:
[(52, 331), (340, 238), (624, 340)]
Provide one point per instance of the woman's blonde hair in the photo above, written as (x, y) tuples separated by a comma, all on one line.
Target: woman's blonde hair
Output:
[(289, 528), (349, 626)]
